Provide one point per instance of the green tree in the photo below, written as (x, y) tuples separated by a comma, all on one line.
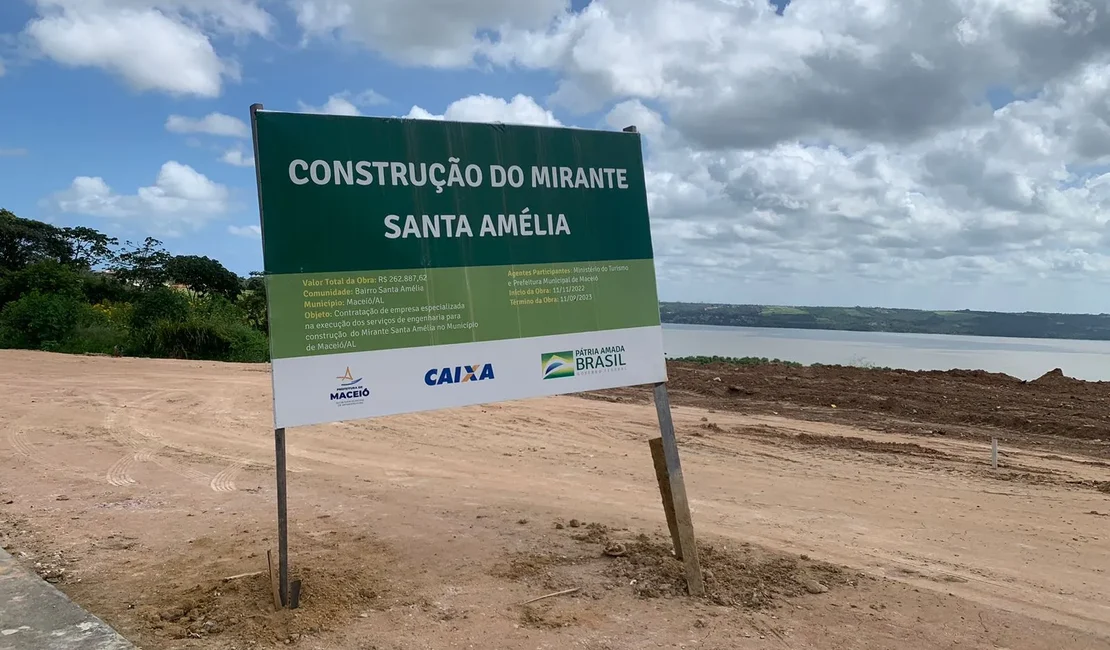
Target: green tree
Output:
[(25, 241), (89, 248), (142, 265), (47, 276), (203, 275), (253, 302)]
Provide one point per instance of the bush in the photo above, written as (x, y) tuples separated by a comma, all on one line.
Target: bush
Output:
[(248, 345), (39, 321), (96, 339), (96, 332), (182, 340), (117, 314), (217, 309), (196, 338), (159, 304)]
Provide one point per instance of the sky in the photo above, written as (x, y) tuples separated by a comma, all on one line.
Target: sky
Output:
[(938, 154)]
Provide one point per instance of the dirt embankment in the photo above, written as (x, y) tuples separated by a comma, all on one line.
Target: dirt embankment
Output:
[(954, 402)]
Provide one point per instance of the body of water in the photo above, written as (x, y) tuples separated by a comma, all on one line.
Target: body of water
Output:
[(1023, 358)]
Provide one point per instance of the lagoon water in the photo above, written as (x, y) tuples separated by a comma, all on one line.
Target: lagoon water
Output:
[(1023, 358)]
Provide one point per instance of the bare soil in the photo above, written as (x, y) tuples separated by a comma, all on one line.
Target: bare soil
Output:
[(835, 508)]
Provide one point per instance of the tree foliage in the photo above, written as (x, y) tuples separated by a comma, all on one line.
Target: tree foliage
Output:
[(89, 248), (142, 265), (203, 275), (78, 290), (46, 276), (25, 241)]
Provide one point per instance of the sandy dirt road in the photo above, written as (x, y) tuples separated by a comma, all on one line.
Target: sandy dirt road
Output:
[(136, 485)]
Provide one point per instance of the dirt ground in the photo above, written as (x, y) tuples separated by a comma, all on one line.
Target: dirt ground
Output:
[(836, 508)]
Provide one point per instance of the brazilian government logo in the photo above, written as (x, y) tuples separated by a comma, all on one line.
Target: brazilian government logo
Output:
[(557, 364)]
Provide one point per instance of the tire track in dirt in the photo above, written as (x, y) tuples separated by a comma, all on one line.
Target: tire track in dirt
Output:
[(21, 444), (237, 462), (151, 446), (119, 474), (224, 481), (145, 443), (18, 441)]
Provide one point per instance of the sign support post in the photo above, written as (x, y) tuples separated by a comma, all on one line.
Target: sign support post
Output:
[(672, 486), (279, 433), (686, 547), (283, 518)]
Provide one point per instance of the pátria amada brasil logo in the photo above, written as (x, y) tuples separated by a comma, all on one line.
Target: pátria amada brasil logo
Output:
[(557, 364), (570, 363)]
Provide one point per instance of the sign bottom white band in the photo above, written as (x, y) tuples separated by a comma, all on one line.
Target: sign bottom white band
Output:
[(350, 386)]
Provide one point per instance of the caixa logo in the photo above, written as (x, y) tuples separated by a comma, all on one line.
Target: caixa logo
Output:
[(459, 374), (350, 390)]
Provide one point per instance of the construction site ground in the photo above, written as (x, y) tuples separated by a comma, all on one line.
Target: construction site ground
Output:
[(839, 508)]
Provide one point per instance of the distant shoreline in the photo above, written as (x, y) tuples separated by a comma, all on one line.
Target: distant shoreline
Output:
[(1029, 325)]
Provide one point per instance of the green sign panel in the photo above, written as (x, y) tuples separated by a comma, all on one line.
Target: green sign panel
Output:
[(396, 247)]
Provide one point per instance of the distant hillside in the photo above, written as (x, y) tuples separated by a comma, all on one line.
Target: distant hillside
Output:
[(873, 319)]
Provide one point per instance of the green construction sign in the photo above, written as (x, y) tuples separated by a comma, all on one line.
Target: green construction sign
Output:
[(388, 235)]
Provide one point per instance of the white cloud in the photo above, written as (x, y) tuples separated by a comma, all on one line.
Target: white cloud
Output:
[(251, 232), (737, 74), (837, 153), (180, 199), (1002, 202), (335, 105), (440, 34), (154, 45), (842, 152), (633, 113), (211, 124), (521, 109), (966, 216), (345, 103), (237, 158)]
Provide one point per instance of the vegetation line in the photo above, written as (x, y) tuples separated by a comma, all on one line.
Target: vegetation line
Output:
[(1092, 327), (78, 290)]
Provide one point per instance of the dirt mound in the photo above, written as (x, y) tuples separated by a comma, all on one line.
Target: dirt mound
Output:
[(736, 575), (335, 591), (744, 576), (1057, 377)]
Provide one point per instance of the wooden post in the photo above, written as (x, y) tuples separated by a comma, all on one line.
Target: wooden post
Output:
[(659, 459), (683, 521), (273, 578), (283, 518), (994, 453)]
